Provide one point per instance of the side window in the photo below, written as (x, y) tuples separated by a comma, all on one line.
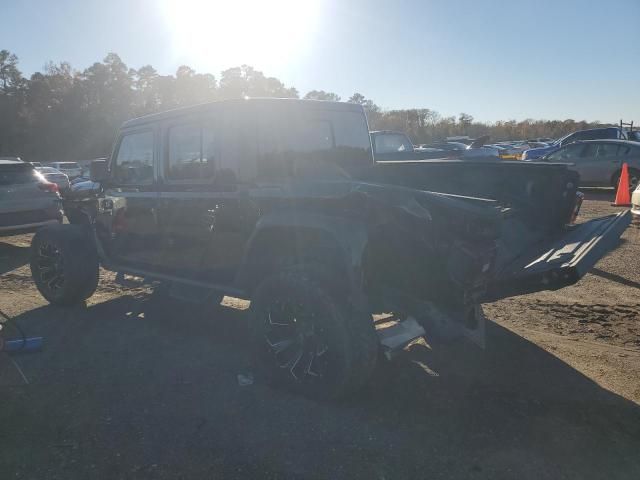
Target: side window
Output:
[(589, 150), (191, 153), (611, 133), (625, 150), (134, 161), (607, 150), (272, 164), (567, 154)]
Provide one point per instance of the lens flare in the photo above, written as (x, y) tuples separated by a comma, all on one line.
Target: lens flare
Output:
[(219, 34)]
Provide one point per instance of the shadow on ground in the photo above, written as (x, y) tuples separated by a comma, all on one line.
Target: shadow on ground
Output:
[(601, 194), (135, 389), (12, 257)]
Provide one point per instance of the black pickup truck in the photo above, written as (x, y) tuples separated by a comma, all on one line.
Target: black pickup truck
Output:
[(282, 202)]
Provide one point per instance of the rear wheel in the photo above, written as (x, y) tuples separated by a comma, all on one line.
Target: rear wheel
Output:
[(307, 339), (64, 264)]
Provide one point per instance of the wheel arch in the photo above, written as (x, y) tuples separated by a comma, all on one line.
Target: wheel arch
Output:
[(291, 238), (615, 178)]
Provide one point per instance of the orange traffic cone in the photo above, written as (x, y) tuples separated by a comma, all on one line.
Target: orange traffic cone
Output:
[(623, 197)]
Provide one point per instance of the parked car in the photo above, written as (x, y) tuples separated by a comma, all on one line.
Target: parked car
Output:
[(281, 202), (445, 146), (70, 169), (599, 162), (83, 178), (510, 151), (633, 135), (27, 201), (591, 134), (55, 176), (389, 145)]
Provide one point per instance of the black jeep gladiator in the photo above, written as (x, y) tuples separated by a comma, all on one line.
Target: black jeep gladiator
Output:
[(281, 202)]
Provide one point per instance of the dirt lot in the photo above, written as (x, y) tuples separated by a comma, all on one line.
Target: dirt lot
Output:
[(124, 389)]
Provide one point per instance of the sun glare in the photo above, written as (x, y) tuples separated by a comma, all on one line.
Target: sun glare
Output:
[(215, 34)]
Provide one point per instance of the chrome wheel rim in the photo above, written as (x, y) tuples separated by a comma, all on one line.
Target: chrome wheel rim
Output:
[(296, 341), (50, 267)]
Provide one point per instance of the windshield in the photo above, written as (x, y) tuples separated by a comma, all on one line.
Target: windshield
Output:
[(558, 142)]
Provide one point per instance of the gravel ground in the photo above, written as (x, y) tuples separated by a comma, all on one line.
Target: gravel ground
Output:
[(126, 389)]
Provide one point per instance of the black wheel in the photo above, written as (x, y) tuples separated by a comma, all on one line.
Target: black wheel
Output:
[(307, 339), (64, 264)]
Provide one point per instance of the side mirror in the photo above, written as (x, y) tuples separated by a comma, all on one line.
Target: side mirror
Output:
[(99, 171)]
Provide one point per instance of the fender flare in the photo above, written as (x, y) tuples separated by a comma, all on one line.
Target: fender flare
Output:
[(345, 238)]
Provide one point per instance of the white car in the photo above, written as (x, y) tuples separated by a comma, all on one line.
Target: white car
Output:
[(635, 204), (70, 169)]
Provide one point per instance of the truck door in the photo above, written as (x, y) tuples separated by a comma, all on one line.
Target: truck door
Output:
[(205, 213), (126, 220)]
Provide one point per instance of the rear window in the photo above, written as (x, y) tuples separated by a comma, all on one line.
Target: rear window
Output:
[(598, 134), (392, 142), (17, 174), (68, 165), (322, 143)]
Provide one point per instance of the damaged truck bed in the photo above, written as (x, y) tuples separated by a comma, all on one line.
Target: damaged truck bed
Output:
[(281, 202)]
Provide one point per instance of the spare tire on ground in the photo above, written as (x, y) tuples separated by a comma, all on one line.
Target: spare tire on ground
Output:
[(64, 264)]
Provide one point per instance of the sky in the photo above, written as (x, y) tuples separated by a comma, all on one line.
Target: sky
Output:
[(496, 60)]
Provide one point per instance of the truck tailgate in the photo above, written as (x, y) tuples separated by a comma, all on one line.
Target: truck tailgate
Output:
[(562, 261)]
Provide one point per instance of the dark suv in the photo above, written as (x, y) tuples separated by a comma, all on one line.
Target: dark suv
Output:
[(281, 202)]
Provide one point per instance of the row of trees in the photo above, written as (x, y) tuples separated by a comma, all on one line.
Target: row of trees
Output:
[(65, 114)]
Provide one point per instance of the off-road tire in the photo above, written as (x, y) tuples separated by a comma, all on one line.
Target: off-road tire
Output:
[(64, 264), (349, 337)]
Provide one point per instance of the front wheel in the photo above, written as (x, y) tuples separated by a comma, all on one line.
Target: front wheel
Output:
[(309, 340), (64, 264)]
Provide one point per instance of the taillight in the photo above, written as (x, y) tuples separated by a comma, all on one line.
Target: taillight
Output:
[(49, 187)]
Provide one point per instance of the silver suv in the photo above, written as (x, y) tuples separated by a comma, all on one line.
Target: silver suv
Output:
[(27, 200)]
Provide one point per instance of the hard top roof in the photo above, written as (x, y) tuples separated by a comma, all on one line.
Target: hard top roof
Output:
[(204, 107)]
